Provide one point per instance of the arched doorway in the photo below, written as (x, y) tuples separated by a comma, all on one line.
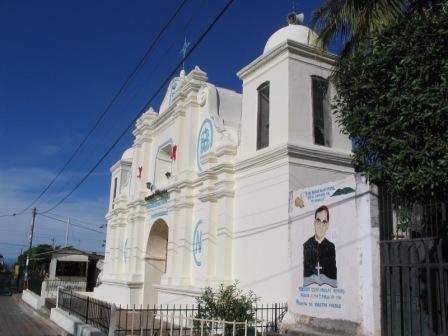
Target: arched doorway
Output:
[(155, 260)]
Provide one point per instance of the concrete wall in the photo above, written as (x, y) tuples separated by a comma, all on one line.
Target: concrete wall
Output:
[(32, 299), (72, 324)]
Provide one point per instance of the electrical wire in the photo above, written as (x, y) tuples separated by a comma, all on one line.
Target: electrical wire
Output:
[(82, 221), (156, 64), (71, 224), (12, 244), (165, 82), (111, 103), (12, 215)]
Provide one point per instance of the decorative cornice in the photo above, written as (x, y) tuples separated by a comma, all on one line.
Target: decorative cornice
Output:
[(321, 154), (119, 164), (292, 47), (123, 283), (316, 153), (179, 290)]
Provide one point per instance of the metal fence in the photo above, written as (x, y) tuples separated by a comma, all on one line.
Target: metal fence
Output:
[(149, 321), (174, 320), (414, 268), (35, 282), (89, 310), (50, 287)]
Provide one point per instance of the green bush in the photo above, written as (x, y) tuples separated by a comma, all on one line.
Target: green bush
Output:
[(228, 303)]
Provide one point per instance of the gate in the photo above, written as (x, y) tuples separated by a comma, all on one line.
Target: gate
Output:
[(414, 268)]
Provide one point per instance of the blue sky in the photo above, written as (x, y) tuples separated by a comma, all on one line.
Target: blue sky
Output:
[(61, 62)]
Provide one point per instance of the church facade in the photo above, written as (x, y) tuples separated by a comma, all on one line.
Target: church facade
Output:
[(202, 196)]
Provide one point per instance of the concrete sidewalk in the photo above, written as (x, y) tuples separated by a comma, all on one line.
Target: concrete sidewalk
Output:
[(17, 319)]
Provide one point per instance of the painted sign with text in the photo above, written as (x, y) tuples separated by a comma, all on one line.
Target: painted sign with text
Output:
[(323, 257)]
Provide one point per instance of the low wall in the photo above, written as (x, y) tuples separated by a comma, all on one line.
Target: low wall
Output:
[(72, 324), (32, 299)]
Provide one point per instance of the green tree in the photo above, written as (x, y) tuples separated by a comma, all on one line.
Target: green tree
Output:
[(21, 259), (393, 102), (228, 303), (351, 21)]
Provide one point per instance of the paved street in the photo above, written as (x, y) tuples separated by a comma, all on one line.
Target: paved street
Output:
[(18, 319)]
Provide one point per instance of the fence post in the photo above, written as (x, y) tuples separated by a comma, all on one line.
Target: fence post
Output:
[(70, 303), (112, 320), (57, 297), (275, 321), (87, 311), (43, 289)]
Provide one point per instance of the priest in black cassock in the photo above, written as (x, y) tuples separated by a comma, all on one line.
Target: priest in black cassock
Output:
[(319, 255)]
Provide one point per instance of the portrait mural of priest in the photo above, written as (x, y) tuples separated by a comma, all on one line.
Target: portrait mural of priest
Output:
[(319, 254)]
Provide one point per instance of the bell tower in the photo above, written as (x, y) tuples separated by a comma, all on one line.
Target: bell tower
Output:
[(286, 93)]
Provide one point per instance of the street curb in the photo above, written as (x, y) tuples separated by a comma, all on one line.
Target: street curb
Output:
[(46, 320)]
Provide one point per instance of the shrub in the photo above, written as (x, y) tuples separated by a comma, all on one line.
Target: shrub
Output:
[(228, 303)]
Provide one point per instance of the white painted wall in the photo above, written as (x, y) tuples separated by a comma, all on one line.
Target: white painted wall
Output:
[(32, 299), (260, 236)]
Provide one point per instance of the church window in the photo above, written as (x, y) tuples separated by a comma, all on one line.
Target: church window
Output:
[(263, 116), (321, 111), (163, 168), (115, 189)]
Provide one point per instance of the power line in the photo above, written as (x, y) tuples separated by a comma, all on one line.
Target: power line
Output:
[(111, 103), (71, 224), (12, 244), (163, 57), (12, 215), (167, 79), (82, 221)]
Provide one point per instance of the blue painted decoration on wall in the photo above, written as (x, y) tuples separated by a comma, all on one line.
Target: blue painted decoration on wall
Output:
[(125, 251), (205, 140), (197, 244)]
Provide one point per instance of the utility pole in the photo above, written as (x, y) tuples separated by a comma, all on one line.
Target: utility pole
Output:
[(66, 231), (29, 247)]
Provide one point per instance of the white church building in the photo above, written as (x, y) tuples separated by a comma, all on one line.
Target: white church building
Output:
[(203, 195)]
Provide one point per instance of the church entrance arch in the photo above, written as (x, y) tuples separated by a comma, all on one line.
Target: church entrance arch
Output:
[(155, 260)]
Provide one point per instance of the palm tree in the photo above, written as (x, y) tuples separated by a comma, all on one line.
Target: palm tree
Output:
[(352, 20)]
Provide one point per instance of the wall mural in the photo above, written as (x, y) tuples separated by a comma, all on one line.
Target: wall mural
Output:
[(205, 140), (319, 256), (323, 227), (197, 244)]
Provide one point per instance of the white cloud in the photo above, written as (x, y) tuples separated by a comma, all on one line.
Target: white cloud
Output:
[(47, 149), (19, 187)]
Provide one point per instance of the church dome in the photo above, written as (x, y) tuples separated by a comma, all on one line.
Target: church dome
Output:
[(128, 154), (293, 32)]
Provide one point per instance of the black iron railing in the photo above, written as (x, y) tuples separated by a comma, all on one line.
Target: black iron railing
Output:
[(89, 310), (35, 282), (414, 267), (150, 321), (155, 320), (53, 285)]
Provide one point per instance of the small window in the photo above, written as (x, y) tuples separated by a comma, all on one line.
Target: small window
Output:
[(321, 111), (164, 166), (115, 189), (263, 116), (71, 268)]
